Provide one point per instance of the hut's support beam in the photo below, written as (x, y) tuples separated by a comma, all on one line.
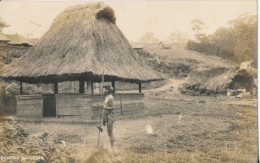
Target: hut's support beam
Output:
[(140, 87), (21, 87), (89, 85), (92, 87), (81, 86), (56, 88), (113, 85)]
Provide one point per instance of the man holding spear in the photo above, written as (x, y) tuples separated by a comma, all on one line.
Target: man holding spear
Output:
[(108, 116)]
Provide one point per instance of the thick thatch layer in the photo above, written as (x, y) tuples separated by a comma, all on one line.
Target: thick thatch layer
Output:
[(221, 79), (82, 41)]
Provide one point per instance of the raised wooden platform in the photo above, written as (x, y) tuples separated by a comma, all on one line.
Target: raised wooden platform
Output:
[(84, 106)]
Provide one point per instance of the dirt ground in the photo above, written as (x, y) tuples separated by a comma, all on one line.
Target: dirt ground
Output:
[(173, 128)]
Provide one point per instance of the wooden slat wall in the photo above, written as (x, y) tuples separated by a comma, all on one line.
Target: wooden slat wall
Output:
[(132, 103), (29, 106), (73, 104), (79, 105)]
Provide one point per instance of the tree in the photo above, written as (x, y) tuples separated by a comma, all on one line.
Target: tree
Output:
[(198, 26), (3, 25), (224, 43), (149, 38), (244, 30), (178, 38), (238, 42)]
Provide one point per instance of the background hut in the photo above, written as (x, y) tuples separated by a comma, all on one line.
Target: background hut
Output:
[(165, 45), (220, 79), (81, 44), (137, 46)]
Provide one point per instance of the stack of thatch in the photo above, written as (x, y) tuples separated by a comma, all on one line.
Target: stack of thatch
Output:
[(215, 79), (220, 79), (82, 40)]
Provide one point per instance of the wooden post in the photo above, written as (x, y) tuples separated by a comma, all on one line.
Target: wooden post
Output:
[(92, 87), (140, 88), (81, 86), (113, 85), (56, 89), (121, 105), (21, 87), (89, 89)]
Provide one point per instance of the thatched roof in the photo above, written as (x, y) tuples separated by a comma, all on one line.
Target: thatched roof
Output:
[(218, 79), (82, 41)]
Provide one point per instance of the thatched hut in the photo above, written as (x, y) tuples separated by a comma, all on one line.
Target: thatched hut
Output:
[(82, 43), (165, 45), (220, 79), (137, 46)]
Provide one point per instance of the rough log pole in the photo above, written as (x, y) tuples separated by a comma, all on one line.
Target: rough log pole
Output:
[(89, 89), (81, 86), (56, 89), (21, 87), (121, 105), (113, 85), (92, 87), (140, 88)]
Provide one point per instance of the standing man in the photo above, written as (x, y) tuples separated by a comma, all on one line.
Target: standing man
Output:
[(109, 117)]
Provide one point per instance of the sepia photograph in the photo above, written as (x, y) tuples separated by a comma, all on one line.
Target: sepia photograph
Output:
[(128, 81)]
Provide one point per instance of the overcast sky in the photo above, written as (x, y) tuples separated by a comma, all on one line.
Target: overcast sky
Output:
[(133, 18)]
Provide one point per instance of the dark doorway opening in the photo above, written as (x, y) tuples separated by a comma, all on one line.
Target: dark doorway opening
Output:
[(49, 105), (243, 80)]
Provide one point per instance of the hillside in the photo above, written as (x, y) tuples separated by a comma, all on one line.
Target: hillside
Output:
[(203, 74), (187, 60)]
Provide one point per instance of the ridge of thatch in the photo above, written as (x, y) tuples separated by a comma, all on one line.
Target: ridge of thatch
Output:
[(82, 40)]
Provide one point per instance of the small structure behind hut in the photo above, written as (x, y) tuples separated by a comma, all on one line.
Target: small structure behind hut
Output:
[(165, 45), (137, 46), (220, 79)]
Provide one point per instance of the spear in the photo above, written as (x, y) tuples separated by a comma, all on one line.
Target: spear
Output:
[(100, 112)]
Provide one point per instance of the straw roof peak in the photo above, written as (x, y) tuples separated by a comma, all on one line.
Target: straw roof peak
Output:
[(87, 12)]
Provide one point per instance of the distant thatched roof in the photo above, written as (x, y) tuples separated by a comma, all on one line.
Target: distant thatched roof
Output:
[(16, 39), (136, 45), (217, 79), (82, 41), (3, 38)]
